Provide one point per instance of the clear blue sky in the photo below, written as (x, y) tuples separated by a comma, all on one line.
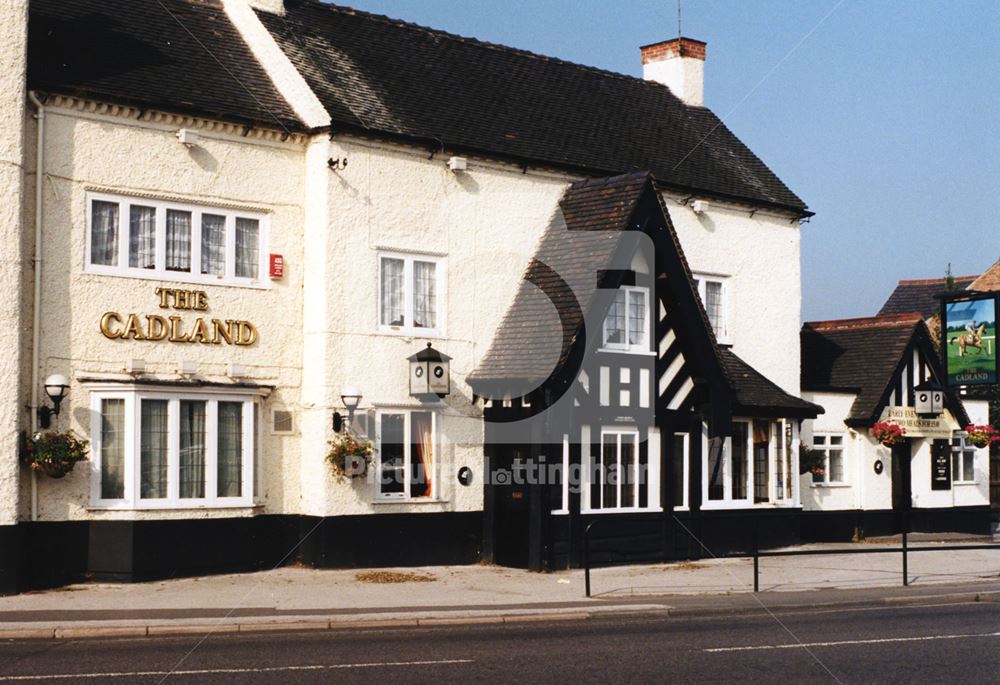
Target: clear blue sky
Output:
[(884, 118)]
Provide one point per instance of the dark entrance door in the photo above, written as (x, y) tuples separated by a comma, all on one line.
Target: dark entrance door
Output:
[(901, 483), (512, 502)]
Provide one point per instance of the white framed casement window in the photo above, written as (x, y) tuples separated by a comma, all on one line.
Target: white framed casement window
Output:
[(680, 456), (406, 463), (714, 293), (167, 450), (614, 480), (728, 476), (626, 326), (831, 446), (963, 458), (143, 238), (411, 294)]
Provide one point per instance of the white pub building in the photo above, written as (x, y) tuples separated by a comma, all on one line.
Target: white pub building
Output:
[(230, 223)]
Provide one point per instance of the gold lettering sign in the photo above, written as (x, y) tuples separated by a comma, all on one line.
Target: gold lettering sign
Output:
[(173, 328)]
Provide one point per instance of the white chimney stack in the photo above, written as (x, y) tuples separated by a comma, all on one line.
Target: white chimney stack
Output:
[(272, 6), (679, 64)]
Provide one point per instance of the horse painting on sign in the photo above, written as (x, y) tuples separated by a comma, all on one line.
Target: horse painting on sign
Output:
[(970, 351)]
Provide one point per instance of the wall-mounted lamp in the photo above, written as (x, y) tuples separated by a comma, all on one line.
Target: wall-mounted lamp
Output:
[(929, 397), (351, 397), (56, 387)]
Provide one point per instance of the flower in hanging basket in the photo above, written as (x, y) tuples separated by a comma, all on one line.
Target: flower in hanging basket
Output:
[(982, 436), (53, 453), (818, 472), (349, 456), (888, 433)]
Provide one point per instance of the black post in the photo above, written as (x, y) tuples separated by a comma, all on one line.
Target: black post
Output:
[(756, 556), (906, 526), (586, 557)]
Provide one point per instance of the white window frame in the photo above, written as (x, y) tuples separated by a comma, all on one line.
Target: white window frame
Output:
[(405, 496), (826, 448), (640, 347), (132, 472), (727, 501), (965, 450), (161, 273), (685, 505), (652, 473), (700, 280), (440, 273)]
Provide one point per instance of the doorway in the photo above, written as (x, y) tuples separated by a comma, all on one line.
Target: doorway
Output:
[(511, 527), (902, 490)]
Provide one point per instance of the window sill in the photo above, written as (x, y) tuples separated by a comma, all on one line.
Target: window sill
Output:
[(174, 507), (829, 485), (637, 353), (965, 482), (161, 275), (623, 510), (412, 500), (428, 333), (743, 504)]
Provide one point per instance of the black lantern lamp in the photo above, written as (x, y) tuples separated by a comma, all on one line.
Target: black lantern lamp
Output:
[(56, 387), (929, 398), (430, 373), (351, 397)]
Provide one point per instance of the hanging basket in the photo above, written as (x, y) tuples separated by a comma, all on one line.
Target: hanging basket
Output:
[(54, 454), (53, 470), (888, 433), (982, 436)]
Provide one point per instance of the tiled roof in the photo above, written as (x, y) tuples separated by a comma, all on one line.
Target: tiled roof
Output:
[(180, 56), (582, 237), (756, 394), (857, 356), (989, 280), (386, 77), (919, 296), (593, 230)]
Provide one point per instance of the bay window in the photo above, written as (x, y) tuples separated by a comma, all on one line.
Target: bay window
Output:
[(410, 294), (626, 327), (727, 466), (167, 450), (406, 444), (173, 241), (619, 474)]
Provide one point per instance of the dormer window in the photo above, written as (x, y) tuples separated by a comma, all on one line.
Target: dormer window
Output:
[(626, 327)]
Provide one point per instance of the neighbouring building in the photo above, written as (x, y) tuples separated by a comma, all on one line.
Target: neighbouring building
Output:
[(232, 210), (868, 370)]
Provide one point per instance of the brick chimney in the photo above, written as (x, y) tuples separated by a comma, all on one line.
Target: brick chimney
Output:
[(679, 64)]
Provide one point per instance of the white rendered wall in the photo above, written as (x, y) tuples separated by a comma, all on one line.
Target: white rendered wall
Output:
[(761, 257), (836, 496), (684, 76), (89, 149), (13, 46)]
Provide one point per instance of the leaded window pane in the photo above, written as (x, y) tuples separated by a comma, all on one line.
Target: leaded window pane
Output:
[(178, 240), (142, 237), (104, 233), (213, 244), (230, 449), (153, 446), (247, 247)]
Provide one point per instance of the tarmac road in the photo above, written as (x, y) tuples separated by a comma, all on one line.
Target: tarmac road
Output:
[(945, 643)]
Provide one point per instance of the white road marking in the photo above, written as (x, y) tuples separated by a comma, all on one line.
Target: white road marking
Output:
[(873, 641), (210, 671)]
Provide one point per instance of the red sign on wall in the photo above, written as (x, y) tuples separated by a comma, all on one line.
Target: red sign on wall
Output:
[(277, 269)]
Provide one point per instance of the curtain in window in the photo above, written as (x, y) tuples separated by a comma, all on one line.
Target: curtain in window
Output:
[(213, 244), (636, 317), (178, 240), (192, 446), (230, 449), (614, 324), (391, 292), (421, 454), (713, 305), (153, 447), (142, 237), (424, 294), (104, 233), (247, 247), (112, 449)]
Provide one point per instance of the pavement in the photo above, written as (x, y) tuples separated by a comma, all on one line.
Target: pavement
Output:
[(295, 598)]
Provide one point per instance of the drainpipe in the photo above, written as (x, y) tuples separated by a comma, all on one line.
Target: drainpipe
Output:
[(36, 322)]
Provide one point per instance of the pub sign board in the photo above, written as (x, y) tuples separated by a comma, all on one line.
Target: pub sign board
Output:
[(940, 465), (969, 339)]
